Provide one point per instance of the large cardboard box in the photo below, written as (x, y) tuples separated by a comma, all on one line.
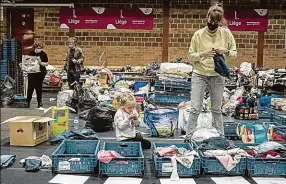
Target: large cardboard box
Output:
[(28, 130)]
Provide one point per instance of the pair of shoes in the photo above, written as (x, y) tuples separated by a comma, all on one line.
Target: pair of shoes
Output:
[(40, 104), (27, 104)]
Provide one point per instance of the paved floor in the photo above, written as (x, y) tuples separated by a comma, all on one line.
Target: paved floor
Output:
[(17, 175)]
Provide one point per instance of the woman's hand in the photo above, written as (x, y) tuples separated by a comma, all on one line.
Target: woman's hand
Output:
[(222, 51), (207, 53)]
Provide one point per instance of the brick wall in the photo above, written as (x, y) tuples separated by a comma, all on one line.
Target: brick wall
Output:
[(139, 47)]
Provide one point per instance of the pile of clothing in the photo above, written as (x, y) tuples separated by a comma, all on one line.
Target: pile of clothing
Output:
[(274, 79), (8, 89), (268, 150), (224, 150), (84, 134), (181, 155), (152, 69)]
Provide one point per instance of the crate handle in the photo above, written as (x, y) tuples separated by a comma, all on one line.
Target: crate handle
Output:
[(271, 162), (123, 145)]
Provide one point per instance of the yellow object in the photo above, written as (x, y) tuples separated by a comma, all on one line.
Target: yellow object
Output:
[(60, 123), (28, 130), (202, 41), (102, 79)]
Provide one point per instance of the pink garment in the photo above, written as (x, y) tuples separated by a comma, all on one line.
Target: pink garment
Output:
[(106, 156), (166, 151), (225, 157)]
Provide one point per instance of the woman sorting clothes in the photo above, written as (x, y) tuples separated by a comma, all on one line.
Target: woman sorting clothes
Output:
[(35, 80), (205, 44)]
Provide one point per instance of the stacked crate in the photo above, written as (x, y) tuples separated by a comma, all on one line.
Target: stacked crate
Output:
[(11, 58), (172, 92)]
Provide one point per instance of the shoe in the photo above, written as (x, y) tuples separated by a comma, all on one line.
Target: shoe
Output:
[(40, 104), (27, 104)]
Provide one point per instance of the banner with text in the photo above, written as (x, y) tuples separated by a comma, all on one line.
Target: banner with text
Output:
[(247, 20), (106, 18)]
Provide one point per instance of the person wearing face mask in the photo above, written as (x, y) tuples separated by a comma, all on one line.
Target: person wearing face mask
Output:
[(74, 62), (205, 44), (35, 80)]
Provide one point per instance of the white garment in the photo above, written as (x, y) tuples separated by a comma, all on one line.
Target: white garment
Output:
[(125, 128), (46, 161)]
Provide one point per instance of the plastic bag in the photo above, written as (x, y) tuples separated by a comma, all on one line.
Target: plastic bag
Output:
[(161, 121), (8, 90), (229, 107), (30, 64), (63, 97), (254, 132), (100, 118)]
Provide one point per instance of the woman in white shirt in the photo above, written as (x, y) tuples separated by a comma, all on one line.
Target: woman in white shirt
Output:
[(126, 119)]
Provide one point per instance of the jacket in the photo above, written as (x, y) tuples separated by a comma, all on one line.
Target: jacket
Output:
[(221, 66), (78, 56)]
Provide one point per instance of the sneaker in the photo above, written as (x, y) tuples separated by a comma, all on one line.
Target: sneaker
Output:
[(40, 104)]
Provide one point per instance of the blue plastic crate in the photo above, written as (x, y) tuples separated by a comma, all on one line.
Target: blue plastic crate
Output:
[(182, 170), (171, 98), (139, 84), (131, 165), (264, 112), (264, 166), (85, 151), (279, 118), (211, 165), (173, 84)]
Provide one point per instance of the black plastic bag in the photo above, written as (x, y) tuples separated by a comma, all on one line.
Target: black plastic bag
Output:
[(100, 118), (33, 165)]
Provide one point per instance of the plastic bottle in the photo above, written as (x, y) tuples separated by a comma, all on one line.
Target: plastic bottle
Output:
[(75, 123)]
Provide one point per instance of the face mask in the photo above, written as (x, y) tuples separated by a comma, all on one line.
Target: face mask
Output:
[(212, 27), (71, 45), (38, 50)]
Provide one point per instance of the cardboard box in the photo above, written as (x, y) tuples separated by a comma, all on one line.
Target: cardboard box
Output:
[(28, 130)]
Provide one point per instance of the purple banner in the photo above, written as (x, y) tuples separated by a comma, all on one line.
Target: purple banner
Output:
[(247, 20), (106, 18)]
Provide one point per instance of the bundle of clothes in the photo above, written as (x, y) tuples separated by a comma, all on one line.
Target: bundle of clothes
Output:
[(274, 79), (268, 150), (181, 155), (224, 150)]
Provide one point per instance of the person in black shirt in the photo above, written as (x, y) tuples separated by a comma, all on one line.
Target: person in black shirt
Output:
[(74, 62), (35, 80)]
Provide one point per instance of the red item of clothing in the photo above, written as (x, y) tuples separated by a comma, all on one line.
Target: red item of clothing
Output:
[(277, 137), (262, 155), (252, 153)]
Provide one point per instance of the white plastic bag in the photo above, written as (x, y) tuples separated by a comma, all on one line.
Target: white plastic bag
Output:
[(175, 68)]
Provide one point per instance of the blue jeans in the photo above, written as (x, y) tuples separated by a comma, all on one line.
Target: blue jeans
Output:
[(215, 86)]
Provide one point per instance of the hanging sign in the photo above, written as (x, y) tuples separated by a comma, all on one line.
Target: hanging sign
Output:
[(106, 18), (247, 20)]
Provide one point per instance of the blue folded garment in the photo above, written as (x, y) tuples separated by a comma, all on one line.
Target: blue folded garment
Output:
[(221, 66), (7, 160)]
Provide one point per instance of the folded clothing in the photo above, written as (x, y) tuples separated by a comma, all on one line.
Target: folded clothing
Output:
[(216, 143), (7, 160), (106, 156)]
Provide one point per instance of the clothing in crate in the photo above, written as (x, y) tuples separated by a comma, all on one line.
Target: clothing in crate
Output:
[(35, 80), (74, 62)]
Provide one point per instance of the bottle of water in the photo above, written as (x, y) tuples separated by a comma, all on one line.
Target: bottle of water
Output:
[(75, 123)]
